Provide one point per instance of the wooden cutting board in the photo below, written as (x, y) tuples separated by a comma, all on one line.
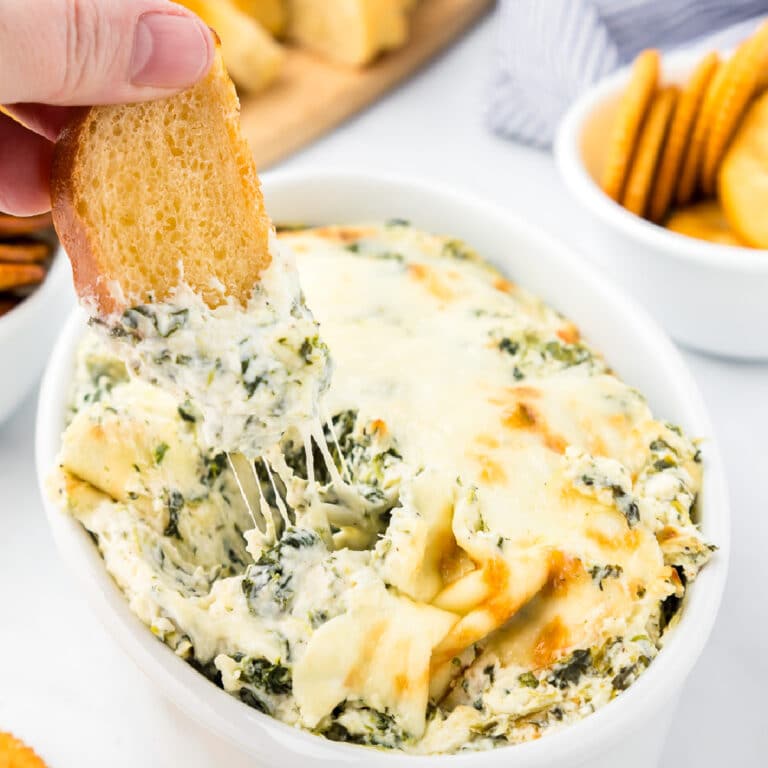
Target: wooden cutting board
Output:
[(314, 95)]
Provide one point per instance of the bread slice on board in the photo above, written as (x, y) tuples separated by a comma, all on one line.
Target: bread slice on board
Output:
[(253, 58), (352, 32), (147, 195)]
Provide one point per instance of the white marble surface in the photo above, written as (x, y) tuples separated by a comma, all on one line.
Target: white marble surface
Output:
[(69, 690)]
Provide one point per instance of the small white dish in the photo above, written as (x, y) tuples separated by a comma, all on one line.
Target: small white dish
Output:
[(27, 333), (707, 296), (630, 731)]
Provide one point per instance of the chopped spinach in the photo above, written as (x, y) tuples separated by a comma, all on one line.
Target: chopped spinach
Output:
[(159, 453), (176, 320), (456, 249), (626, 504), (270, 573), (272, 678), (570, 672), (307, 348), (600, 573), (247, 696), (174, 503), (187, 412), (568, 354), (509, 346), (627, 675), (528, 680), (214, 466)]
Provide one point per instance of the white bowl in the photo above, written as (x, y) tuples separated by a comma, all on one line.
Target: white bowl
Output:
[(710, 297), (630, 730), (27, 333)]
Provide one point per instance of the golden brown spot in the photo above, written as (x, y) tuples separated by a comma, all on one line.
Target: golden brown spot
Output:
[(626, 541), (525, 417), (667, 533), (490, 471), (496, 576), (618, 420), (524, 391), (597, 446), (504, 285), (555, 443), (521, 416), (454, 563), (402, 683), (512, 394), (431, 280), (493, 612), (356, 676), (487, 440), (569, 334), (378, 427), (505, 598), (563, 571), (551, 643), (343, 234), (674, 578)]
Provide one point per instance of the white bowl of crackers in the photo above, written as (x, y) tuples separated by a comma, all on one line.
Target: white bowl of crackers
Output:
[(670, 159), (35, 295)]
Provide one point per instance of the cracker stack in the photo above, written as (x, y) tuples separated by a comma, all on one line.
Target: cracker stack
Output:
[(26, 247), (673, 149)]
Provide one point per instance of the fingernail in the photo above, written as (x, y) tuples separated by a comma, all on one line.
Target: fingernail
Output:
[(169, 50)]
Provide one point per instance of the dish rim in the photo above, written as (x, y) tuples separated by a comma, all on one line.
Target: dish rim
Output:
[(567, 152), (222, 713)]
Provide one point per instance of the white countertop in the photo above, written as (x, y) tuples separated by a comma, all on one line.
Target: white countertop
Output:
[(67, 689)]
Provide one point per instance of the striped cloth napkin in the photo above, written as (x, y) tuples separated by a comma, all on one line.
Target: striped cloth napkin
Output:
[(549, 51)]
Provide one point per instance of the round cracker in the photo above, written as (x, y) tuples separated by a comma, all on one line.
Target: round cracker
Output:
[(737, 88), (743, 176), (704, 221), (686, 109), (689, 176), (629, 117), (16, 754), (649, 146)]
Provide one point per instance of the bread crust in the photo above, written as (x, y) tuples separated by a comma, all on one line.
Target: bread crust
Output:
[(69, 227), (177, 227)]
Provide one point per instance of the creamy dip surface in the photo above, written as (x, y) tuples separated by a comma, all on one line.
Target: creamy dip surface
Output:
[(481, 534), (247, 372)]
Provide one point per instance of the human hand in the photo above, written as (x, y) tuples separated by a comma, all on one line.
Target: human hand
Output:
[(57, 55)]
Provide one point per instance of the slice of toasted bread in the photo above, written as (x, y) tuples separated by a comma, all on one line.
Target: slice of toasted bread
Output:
[(146, 196), (250, 54), (348, 31), (271, 14)]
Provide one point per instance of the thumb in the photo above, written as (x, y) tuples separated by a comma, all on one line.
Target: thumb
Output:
[(81, 52)]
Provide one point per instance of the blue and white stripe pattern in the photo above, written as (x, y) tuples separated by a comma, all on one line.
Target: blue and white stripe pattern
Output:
[(549, 51)]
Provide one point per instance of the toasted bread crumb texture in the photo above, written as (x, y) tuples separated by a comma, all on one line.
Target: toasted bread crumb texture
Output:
[(148, 195)]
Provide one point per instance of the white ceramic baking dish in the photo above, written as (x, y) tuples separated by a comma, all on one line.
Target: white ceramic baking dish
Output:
[(628, 732), (707, 296)]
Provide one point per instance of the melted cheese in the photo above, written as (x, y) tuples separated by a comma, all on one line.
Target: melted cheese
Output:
[(489, 519), (413, 345), (377, 652)]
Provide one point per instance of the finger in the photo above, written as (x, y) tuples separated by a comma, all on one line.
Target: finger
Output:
[(44, 119), (79, 52), (25, 168)]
